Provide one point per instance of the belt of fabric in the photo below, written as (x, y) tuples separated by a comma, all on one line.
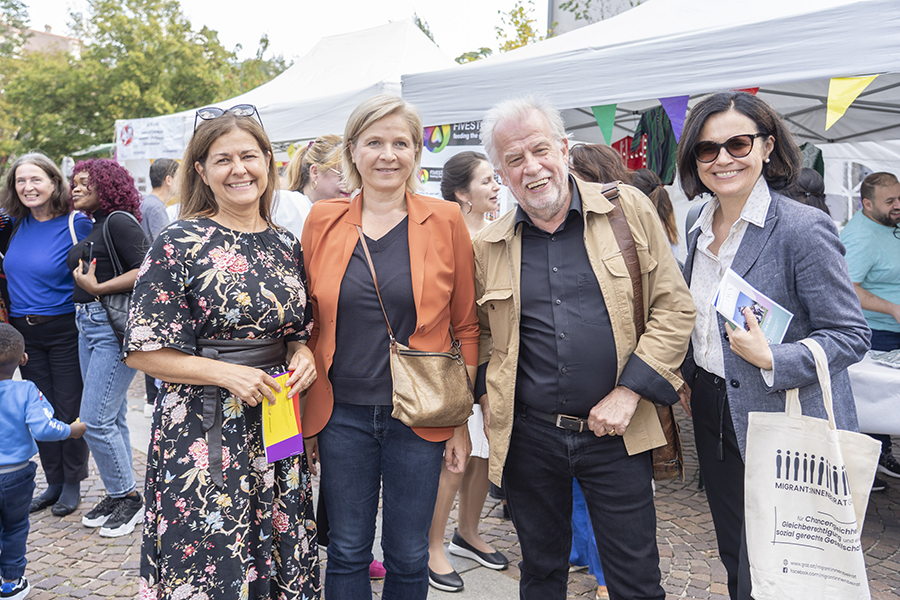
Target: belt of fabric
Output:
[(13, 468), (567, 422), (38, 319), (260, 354)]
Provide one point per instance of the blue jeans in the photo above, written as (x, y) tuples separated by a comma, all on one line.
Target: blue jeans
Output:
[(540, 466), (16, 489), (103, 402), (363, 448)]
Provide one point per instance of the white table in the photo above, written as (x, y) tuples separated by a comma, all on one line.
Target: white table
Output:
[(876, 389)]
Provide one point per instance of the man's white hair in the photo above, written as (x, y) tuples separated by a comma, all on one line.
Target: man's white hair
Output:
[(517, 110)]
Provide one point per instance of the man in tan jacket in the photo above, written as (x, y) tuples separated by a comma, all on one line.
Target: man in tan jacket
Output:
[(568, 386)]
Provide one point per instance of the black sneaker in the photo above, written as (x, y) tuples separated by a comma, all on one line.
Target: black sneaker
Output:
[(98, 515), (15, 590), (879, 485), (888, 465), (124, 517)]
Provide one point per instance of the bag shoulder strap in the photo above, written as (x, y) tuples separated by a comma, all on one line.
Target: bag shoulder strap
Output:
[(625, 240), (365, 247), (107, 239), (72, 228)]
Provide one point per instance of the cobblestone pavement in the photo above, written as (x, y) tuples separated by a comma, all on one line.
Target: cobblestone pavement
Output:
[(67, 560)]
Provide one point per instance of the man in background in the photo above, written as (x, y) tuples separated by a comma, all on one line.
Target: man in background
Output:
[(872, 238), (153, 206)]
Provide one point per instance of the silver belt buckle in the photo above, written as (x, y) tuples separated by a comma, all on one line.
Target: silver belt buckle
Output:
[(569, 419)]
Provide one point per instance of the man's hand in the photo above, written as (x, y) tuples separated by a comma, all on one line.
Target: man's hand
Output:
[(612, 415)]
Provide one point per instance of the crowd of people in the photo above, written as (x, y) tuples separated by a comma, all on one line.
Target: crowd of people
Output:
[(247, 293)]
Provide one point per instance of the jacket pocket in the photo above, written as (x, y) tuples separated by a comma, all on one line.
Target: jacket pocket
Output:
[(501, 311)]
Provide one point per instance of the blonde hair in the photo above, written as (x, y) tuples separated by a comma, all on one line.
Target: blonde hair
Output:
[(197, 197), (324, 152), (367, 114)]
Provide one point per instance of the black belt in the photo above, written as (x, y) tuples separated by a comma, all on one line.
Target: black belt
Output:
[(567, 422), (260, 354), (39, 319)]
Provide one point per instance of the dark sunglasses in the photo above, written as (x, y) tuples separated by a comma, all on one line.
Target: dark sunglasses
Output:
[(213, 112), (737, 146)]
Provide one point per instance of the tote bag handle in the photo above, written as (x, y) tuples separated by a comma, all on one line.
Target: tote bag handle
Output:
[(792, 400)]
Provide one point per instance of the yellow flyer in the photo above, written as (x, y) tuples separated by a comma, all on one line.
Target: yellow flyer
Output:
[(282, 433)]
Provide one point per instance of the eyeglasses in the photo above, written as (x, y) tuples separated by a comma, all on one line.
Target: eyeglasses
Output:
[(737, 146), (213, 112), (897, 231)]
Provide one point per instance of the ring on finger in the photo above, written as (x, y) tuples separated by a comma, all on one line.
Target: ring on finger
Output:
[(257, 395), (612, 432)]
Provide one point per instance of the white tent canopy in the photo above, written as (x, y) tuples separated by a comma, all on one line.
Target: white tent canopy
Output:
[(665, 48), (313, 97)]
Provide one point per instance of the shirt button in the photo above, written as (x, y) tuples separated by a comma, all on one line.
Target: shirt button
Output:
[(555, 269), (735, 383), (565, 369), (562, 335), (558, 301), (553, 238)]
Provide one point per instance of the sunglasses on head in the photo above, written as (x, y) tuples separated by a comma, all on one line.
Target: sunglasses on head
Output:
[(737, 146), (213, 112)]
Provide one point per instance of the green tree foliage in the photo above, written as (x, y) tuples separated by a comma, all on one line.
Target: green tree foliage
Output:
[(474, 55), (253, 72), (423, 25), (13, 21), (518, 27), (141, 58)]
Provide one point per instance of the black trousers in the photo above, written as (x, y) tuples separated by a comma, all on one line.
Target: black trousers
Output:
[(723, 474), (538, 474), (52, 350)]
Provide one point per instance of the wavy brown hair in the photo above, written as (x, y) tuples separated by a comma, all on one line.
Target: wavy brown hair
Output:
[(197, 197), (597, 163), (59, 200)]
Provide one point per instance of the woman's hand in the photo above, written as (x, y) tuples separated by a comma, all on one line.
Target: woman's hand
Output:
[(485, 416), (247, 383), (457, 449), (751, 345), (87, 281), (311, 448), (302, 368)]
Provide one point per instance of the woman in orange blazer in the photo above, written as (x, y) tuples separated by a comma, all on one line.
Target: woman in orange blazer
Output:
[(423, 259)]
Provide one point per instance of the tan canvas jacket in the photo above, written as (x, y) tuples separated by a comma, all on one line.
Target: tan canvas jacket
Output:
[(669, 309)]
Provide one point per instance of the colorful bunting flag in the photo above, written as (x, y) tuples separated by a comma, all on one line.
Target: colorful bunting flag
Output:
[(676, 109), (606, 117), (842, 91)]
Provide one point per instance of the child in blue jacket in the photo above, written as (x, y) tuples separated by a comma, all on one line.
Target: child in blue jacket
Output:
[(25, 416)]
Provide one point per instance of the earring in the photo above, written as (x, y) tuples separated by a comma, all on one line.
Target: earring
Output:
[(768, 160), (315, 183), (470, 207)]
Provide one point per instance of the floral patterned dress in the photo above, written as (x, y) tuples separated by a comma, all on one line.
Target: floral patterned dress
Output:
[(255, 537)]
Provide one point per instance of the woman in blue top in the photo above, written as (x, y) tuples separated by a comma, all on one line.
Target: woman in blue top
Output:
[(40, 290)]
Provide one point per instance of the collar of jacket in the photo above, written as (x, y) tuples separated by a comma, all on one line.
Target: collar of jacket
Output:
[(416, 208), (592, 200)]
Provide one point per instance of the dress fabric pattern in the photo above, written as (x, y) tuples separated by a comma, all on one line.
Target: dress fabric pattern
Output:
[(255, 537)]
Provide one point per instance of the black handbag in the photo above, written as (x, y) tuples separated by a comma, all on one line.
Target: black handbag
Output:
[(116, 305)]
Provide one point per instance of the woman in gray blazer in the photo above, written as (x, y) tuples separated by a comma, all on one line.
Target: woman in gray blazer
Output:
[(737, 152)]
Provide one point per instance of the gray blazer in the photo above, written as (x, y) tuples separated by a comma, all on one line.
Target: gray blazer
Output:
[(796, 259)]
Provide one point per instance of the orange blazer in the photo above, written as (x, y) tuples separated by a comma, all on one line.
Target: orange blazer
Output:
[(439, 249)]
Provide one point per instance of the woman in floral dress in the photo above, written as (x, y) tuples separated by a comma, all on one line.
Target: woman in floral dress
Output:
[(221, 522)]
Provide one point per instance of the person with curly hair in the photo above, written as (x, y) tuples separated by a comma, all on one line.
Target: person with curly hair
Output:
[(104, 190)]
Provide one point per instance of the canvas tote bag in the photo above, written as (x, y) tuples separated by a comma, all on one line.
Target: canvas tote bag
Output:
[(807, 485)]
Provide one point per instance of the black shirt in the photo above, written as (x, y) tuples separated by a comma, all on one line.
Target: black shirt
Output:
[(567, 354), (130, 245), (361, 371)]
